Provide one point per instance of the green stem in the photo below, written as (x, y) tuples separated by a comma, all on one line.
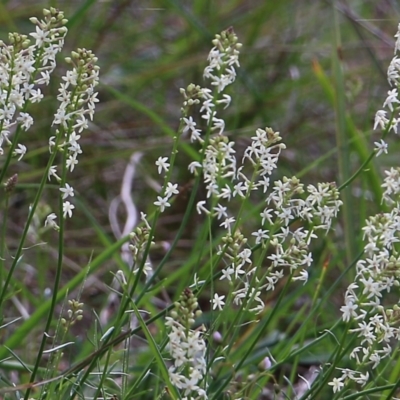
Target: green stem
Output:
[(32, 210), (342, 141)]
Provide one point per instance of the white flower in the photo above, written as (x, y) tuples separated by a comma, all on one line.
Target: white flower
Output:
[(362, 379), (245, 255), (220, 211), (61, 117), (72, 161), (227, 223), (226, 100), (218, 302), (143, 217), (147, 269), (68, 191), (27, 89), (200, 207), (45, 79), (207, 105), (393, 71), (50, 221), (218, 124), (162, 164), (75, 148), (190, 125), (260, 235), (7, 112), (302, 277), (266, 215), (36, 96), (81, 124), (70, 78), (381, 147), (67, 209), (172, 188), (391, 99), (226, 193), (240, 189), (336, 384), (40, 36), (175, 378), (17, 98), (52, 143), (226, 274), (375, 358), (162, 203), (264, 183), (193, 166), (53, 172), (307, 260), (221, 82), (21, 151), (196, 135), (26, 120)]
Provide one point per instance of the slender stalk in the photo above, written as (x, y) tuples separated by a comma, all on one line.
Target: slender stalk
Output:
[(342, 139)]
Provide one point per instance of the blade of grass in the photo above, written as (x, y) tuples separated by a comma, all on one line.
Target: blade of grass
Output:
[(27, 326)]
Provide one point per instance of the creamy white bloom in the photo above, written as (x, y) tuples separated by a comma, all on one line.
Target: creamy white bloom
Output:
[(162, 164)]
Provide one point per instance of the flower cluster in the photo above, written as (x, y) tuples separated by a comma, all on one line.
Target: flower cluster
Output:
[(171, 189), (252, 265), (187, 348), (223, 58), (226, 180), (378, 272), (376, 275), (77, 104), (140, 238), (74, 314), (23, 67), (290, 247), (392, 101)]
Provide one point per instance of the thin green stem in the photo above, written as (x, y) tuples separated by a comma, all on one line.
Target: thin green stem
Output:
[(342, 140), (24, 234)]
